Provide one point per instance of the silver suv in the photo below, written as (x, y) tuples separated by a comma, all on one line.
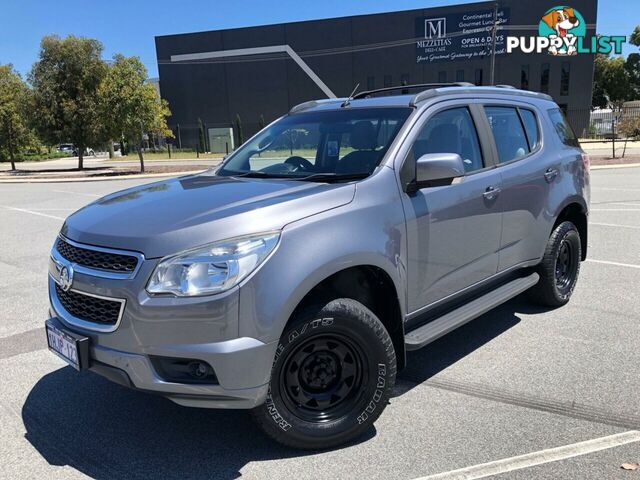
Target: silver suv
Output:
[(292, 279)]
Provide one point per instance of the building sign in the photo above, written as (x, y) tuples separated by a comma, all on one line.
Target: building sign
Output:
[(459, 36)]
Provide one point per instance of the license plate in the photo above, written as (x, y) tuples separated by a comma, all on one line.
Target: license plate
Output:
[(72, 348)]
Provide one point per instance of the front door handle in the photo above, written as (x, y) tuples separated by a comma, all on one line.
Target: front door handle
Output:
[(491, 193), (551, 174)]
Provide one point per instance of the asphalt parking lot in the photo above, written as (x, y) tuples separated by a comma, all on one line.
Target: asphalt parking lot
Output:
[(518, 380)]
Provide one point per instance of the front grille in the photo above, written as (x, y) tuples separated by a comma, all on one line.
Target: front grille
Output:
[(111, 262), (90, 309)]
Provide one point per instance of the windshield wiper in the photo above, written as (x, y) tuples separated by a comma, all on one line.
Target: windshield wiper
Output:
[(333, 177), (259, 174)]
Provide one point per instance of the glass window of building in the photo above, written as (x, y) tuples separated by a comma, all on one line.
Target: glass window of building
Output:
[(564, 78), (524, 77), (478, 76), (544, 78)]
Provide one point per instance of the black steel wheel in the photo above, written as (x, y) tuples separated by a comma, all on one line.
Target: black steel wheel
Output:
[(322, 376), (559, 267), (331, 379)]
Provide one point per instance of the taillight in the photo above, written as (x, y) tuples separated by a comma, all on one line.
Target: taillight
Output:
[(586, 162)]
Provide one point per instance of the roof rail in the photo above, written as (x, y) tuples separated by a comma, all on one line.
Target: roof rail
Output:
[(313, 103), (501, 89), (368, 93)]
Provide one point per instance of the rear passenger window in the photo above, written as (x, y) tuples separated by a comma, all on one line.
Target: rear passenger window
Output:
[(530, 127), (564, 130), (508, 133), (451, 131)]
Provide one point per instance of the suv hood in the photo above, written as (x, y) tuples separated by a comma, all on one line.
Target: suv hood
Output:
[(167, 217)]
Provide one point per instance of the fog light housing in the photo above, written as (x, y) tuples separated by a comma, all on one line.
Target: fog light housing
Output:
[(183, 370)]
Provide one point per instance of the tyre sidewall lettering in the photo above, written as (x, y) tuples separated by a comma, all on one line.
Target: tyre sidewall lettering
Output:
[(312, 325)]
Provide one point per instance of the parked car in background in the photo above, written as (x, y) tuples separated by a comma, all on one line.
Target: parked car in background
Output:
[(71, 149), (292, 279), (67, 148)]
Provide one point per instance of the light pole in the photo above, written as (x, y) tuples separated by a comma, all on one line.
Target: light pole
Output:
[(492, 70)]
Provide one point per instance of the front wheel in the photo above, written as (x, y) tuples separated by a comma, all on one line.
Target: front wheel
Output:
[(334, 369), (559, 268)]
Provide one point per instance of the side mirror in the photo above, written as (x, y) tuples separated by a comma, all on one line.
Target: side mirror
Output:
[(438, 167)]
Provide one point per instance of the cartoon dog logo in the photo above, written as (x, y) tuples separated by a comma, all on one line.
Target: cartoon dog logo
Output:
[(561, 20)]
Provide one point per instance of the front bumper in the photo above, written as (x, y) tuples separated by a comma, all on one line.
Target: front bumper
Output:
[(150, 330), (236, 363)]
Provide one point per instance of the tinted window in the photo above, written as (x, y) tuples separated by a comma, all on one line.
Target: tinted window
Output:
[(564, 130), (508, 133), (530, 127), (451, 131)]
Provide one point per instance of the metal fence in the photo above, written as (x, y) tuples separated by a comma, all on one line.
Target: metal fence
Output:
[(605, 123), (213, 137), (597, 124)]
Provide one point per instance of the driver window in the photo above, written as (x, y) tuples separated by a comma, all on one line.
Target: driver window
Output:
[(301, 141), (451, 131)]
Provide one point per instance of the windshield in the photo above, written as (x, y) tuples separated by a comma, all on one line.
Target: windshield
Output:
[(347, 143)]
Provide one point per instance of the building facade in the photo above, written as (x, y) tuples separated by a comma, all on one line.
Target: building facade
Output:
[(256, 74)]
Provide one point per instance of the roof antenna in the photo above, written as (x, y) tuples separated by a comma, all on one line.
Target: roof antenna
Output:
[(348, 100)]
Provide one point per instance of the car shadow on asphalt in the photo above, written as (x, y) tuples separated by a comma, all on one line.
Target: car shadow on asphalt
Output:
[(438, 356), (107, 431)]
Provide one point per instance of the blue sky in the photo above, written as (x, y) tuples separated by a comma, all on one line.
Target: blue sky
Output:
[(129, 27)]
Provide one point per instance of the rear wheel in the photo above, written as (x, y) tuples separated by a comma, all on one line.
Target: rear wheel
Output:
[(334, 369), (559, 268)]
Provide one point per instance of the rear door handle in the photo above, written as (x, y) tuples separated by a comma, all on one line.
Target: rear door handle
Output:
[(551, 174), (491, 193)]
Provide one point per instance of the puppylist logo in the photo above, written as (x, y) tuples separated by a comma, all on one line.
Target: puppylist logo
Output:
[(562, 31)]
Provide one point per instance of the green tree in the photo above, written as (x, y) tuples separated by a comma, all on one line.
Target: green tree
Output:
[(129, 106), (15, 134), (612, 83), (632, 65), (65, 82), (634, 38)]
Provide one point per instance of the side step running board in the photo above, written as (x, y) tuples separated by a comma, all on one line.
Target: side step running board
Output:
[(437, 328)]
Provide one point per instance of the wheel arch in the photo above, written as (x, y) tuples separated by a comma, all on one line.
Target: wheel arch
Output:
[(575, 210), (370, 285)]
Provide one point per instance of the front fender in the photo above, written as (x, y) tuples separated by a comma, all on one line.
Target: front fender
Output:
[(369, 231)]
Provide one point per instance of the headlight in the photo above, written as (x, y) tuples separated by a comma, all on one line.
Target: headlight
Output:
[(213, 268)]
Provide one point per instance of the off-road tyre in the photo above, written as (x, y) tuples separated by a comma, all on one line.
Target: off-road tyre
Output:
[(559, 267), (332, 375)]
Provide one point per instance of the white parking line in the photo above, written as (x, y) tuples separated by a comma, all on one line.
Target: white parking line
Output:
[(617, 189), (615, 210), (617, 264), (53, 209), (31, 212), (538, 458), (77, 193), (635, 227)]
